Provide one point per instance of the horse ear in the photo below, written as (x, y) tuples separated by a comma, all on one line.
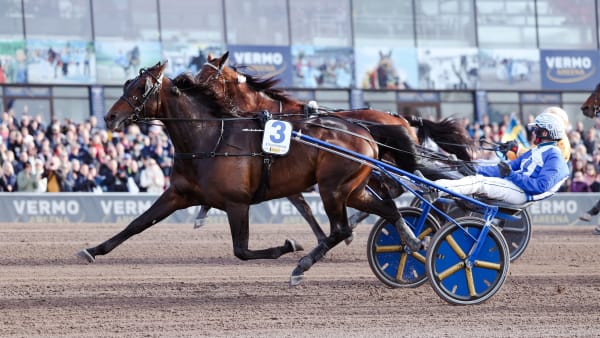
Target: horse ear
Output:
[(210, 57), (223, 60)]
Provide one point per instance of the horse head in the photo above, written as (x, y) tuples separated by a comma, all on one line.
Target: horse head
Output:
[(140, 99), (237, 93), (591, 106)]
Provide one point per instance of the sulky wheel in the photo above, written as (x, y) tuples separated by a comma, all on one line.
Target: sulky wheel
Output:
[(517, 233), (392, 263), (448, 269)]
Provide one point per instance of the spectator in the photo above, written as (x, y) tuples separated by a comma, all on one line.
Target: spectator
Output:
[(27, 180), (152, 177), (9, 176), (84, 181), (115, 180), (53, 175), (578, 184)]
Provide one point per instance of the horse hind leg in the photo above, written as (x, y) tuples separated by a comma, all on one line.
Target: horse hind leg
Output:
[(386, 208), (336, 211), (239, 225), (201, 217), (304, 209)]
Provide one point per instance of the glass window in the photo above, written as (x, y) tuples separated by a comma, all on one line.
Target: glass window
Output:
[(383, 23), (321, 23), (457, 110), (199, 21), (126, 20), (514, 18), (567, 24), (257, 22), (63, 19), (11, 20), (445, 23), (34, 107), (77, 110)]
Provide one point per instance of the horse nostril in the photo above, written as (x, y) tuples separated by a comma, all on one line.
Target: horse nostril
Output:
[(109, 117)]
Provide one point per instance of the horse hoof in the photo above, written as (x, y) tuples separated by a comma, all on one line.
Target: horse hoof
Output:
[(199, 222), (349, 239), (85, 255), (295, 245), (295, 280)]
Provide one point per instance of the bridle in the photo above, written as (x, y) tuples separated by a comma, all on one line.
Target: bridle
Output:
[(150, 90)]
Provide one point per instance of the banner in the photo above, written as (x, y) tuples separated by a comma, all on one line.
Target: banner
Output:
[(561, 209), (268, 61), (569, 69)]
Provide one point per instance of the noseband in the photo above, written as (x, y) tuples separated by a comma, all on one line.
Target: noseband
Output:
[(148, 92)]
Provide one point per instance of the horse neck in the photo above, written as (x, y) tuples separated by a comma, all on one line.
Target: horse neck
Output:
[(187, 135)]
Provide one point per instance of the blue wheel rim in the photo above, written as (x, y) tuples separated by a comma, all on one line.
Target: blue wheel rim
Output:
[(389, 262), (446, 257)]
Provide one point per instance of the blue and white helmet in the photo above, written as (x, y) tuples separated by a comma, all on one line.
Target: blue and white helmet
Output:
[(551, 123)]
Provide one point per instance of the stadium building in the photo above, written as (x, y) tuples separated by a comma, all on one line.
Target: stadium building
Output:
[(470, 58)]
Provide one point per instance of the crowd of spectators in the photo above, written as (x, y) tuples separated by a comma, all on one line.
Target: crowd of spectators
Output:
[(65, 156)]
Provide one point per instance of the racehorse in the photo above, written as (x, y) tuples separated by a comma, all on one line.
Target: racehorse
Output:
[(218, 164), (591, 106), (244, 95)]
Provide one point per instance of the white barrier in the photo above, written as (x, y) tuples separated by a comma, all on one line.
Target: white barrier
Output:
[(561, 209)]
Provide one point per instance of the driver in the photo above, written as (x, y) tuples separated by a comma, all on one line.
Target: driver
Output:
[(534, 175)]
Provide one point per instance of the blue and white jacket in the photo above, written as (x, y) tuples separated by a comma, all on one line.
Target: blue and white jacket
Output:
[(539, 172)]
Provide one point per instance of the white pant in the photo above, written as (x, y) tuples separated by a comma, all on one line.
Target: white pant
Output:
[(492, 187)]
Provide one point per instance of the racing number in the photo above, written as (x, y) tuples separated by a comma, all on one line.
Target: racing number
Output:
[(278, 132)]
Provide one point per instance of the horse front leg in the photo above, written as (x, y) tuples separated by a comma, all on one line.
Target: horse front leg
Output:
[(164, 206), (300, 203), (237, 214)]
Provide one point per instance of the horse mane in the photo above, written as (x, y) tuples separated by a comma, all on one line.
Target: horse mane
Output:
[(266, 85), (187, 83)]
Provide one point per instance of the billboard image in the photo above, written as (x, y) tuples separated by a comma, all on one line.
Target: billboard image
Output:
[(13, 66), (185, 57), (322, 67), (59, 61), (509, 69), (119, 61), (448, 68), (386, 68)]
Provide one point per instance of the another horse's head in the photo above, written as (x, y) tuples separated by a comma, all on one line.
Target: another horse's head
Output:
[(591, 106), (234, 92), (140, 99)]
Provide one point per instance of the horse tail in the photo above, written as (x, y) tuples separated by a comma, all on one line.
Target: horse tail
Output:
[(395, 145), (448, 133)]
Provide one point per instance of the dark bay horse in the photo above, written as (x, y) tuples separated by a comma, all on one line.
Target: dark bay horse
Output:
[(244, 95), (591, 106), (218, 164)]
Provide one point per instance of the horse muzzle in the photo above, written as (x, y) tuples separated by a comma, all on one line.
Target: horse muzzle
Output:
[(589, 111)]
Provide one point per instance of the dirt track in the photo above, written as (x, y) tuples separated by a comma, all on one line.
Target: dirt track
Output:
[(177, 282)]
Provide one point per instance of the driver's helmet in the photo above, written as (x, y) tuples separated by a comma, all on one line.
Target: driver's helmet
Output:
[(551, 123)]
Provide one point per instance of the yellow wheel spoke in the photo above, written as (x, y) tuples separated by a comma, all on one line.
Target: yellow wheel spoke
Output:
[(388, 248), (419, 257), (401, 266), (487, 265), (451, 270), (425, 233), (470, 282), (461, 254)]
